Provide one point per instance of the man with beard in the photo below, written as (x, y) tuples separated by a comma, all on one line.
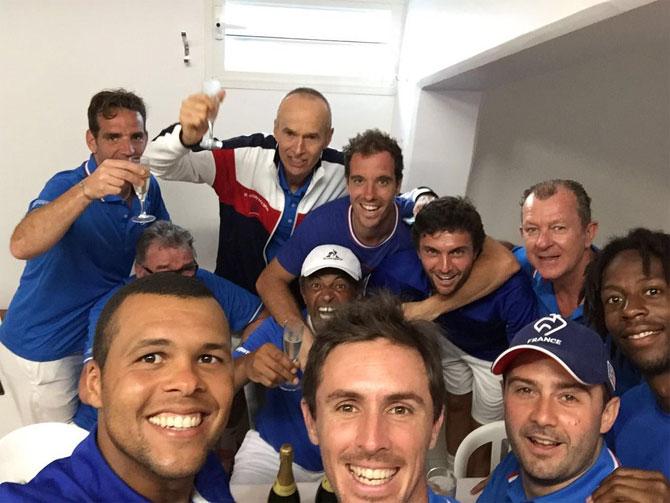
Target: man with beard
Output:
[(628, 296), (558, 388), (330, 277), (162, 380)]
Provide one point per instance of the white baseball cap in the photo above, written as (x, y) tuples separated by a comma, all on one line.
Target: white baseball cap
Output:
[(332, 257)]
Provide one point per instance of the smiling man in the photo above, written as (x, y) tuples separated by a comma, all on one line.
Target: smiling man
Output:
[(373, 402), (558, 388), (558, 233), (628, 296), (162, 379), (330, 277), (167, 247), (449, 235), (266, 184), (78, 239)]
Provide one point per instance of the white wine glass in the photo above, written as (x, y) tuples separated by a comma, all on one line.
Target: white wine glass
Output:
[(292, 343), (141, 192)]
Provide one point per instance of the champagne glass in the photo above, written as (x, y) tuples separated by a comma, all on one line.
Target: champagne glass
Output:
[(141, 192), (292, 343)]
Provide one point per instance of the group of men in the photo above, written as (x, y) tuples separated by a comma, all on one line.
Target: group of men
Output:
[(282, 218)]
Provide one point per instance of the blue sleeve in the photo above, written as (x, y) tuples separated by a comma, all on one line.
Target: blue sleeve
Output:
[(519, 304), (268, 331), (54, 188), (241, 306), (93, 316), (158, 208)]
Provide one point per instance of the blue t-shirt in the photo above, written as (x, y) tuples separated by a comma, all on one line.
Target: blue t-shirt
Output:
[(86, 476), (241, 308), (48, 317), (279, 420), (505, 485), (484, 327), (392, 264), (641, 434)]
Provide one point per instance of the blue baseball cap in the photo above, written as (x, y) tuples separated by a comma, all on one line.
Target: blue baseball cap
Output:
[(578, 349)]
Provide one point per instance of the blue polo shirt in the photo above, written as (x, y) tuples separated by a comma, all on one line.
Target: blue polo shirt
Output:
[(86, 476), (48, 317), (505, 485), (544, 289), (287, 221)]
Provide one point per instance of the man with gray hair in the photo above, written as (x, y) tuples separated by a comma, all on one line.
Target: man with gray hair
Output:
[(166, 247)]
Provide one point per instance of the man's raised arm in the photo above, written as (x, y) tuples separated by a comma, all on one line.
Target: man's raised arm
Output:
[(43, 227), (170, 155)]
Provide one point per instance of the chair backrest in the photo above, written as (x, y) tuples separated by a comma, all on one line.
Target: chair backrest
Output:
[(492, 432), (26, 450)]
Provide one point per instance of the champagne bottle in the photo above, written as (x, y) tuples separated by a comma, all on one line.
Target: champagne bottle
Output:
[(325, 493), (284, 489)]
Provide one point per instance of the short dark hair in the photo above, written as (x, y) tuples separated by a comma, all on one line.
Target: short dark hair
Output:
[(379, 316), (649, 244), (451, 214), (107, 104), (373, 141), (544, 190), (165, 234), (310, 91), (160, 283)]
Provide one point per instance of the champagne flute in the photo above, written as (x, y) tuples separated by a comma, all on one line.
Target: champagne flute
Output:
[(141, 192), (292, 343)]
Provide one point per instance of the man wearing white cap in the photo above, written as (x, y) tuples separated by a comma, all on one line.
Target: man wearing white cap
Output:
[(330, 276), (558, 392)]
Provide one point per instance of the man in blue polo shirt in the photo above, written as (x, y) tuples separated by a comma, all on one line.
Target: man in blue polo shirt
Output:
[(628, 296), (449, 235), (558, 388), (558, 233), (79, 240), (329, 277), (166, 247), (162, 379)]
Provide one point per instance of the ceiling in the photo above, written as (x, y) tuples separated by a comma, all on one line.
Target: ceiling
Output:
[(590, 34)]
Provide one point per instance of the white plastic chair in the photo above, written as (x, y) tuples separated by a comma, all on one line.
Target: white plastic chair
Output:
[(26, 450), (492, 432)]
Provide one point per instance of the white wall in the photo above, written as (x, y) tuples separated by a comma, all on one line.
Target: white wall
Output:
[(604, 123), (439, 34), (58, 54)]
